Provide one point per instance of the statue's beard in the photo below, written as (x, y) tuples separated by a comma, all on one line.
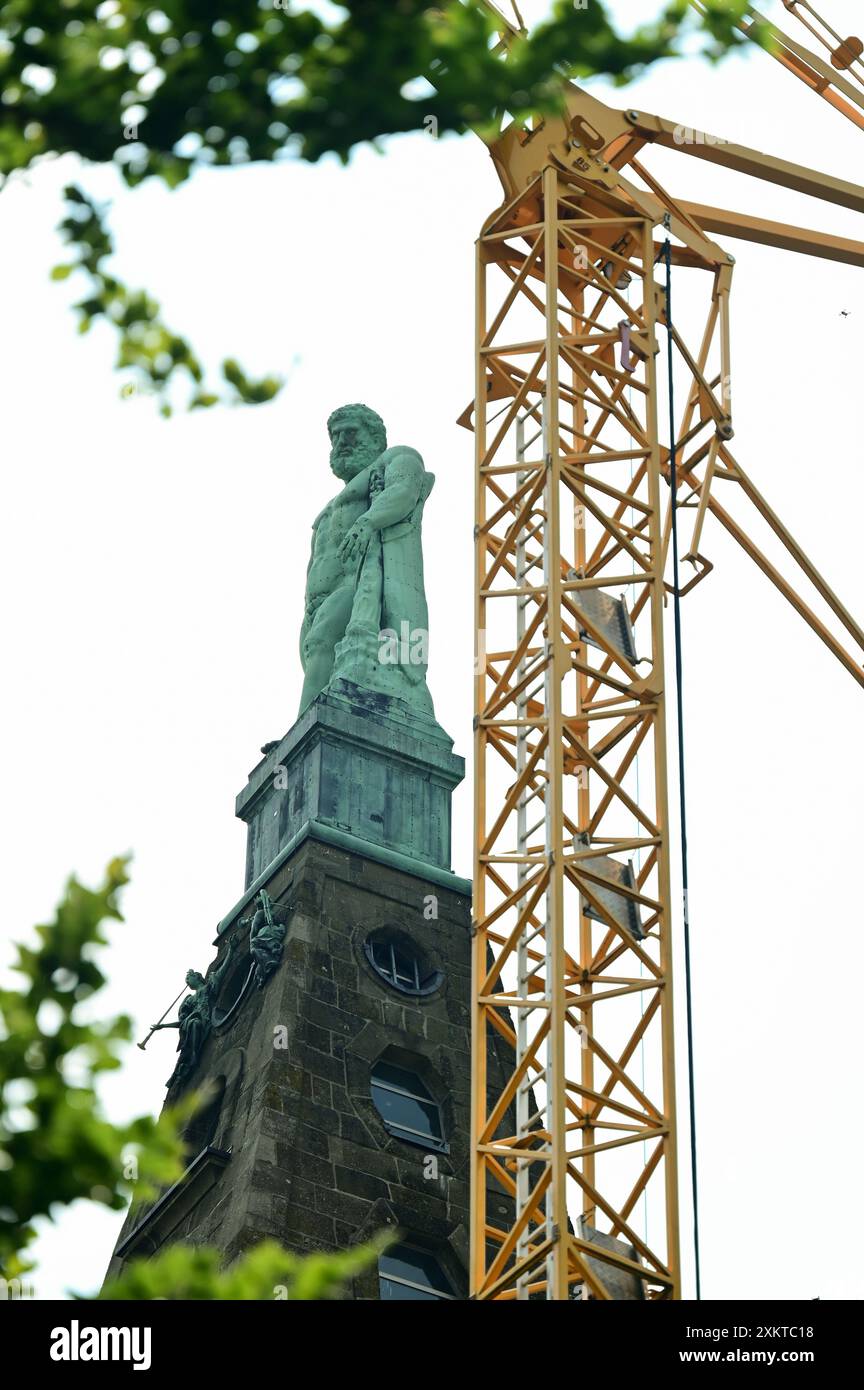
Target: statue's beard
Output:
[(348, 464)]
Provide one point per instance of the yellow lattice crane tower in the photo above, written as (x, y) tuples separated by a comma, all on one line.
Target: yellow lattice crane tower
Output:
[(579, 504)]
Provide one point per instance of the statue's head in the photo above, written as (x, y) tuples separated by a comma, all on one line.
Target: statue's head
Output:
[(357, 437), (193, 979)]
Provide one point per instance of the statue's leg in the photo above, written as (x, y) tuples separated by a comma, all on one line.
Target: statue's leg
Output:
[(327, 629)]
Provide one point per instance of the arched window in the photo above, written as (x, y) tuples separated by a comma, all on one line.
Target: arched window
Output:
[(407, 1272), (407, 1107), (398, 961)]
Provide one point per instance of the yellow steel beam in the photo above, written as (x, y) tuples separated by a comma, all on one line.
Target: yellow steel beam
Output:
[(744, 160), (765, 233)]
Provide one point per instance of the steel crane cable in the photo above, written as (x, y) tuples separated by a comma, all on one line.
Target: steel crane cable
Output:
[(679, 693)]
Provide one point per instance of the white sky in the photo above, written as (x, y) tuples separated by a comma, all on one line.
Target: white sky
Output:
[(154, 575)]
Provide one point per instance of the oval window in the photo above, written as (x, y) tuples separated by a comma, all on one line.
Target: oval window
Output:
[(401, 964)]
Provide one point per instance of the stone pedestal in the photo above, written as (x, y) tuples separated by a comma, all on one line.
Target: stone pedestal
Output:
[(359, 762)]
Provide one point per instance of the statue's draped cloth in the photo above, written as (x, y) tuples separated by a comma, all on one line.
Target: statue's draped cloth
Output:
[(390, 611)]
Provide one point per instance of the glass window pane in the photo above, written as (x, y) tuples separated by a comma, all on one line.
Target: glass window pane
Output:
[(417, 1266), (406, 1112), (404, 968), (402, 965), (380, 955), (401, 1077)]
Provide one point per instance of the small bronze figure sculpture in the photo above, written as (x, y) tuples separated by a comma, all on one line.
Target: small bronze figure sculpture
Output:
[(195, 1018)]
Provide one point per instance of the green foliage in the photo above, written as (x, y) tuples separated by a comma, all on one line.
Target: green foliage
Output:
[(191, 84), (265, 1272), (56, 1146), (152, 351), (169, 89)]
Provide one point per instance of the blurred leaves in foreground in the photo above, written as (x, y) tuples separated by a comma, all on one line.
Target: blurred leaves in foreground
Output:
[(57, 1146), (167, 90), (267, 1271), (146, 346)]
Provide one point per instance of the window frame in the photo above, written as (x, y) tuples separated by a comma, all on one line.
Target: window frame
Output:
[(429, 1142), (422, 987), (438, 1296)]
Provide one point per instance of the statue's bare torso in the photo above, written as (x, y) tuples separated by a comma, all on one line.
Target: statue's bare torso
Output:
[(327, 570), (385, 488)]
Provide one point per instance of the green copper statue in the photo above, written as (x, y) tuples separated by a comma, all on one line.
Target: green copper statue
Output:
[(267, 928), (195, 1018), (366, 617)]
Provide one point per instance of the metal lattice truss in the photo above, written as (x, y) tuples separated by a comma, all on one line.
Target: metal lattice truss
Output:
[(572, 879), (574, 1183)]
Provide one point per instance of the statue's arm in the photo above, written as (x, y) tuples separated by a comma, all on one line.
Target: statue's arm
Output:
[(404, 477), (307, 617)]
